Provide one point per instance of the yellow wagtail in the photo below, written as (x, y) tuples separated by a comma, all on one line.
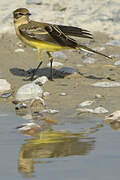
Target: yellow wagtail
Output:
[(49, 37)]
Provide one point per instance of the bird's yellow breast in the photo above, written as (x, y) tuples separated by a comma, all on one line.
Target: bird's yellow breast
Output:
[(46, 46)]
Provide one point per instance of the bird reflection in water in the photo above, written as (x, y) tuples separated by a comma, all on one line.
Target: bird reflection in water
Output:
[(50, 143)]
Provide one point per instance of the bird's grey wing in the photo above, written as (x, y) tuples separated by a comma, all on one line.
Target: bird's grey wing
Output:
[(59, 36), (75, 31), (35, 31)]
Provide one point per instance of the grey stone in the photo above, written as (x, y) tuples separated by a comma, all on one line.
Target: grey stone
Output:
[(113, 43), (59, 55), (29, 92), (100, 110), (84, 110), (38, 2), (41, 80), (6, 95), (4, 85), (113, 116), (106, 84), (19, 50), (98, 96), (45, 94), (63, 94), (117, 63), (51, 111), (55, 64), (68, 70), (85, 103), (89, 60), (20, 106)]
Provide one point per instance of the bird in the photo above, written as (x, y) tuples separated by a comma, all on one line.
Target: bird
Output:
[(48, 37)]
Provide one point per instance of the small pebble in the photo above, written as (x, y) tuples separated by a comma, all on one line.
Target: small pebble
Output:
[(63, 94), (37, 2), (55, 64), (4, 85), (86, 103), (89, 60), (100, 110), (59, 55), (41, 80), (84, 110), (51, 111), (99, 96), (19, 50), (6, 95), (67, 70), (29, 128), (79, 65), (45, 94), (112, 117), (19, 44), (113, 43), (117, 63), (106, 84), (20, 106)]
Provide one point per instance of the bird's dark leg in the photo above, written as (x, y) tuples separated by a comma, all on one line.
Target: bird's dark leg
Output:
[(41, 61), (51, 69)]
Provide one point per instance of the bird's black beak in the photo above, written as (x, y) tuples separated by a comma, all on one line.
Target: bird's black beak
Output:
[(28, 14)]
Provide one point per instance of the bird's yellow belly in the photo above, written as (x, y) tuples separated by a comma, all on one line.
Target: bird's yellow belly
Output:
[(46, 46)]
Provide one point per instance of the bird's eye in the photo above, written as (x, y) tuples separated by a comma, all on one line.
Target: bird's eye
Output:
[(20, 14)]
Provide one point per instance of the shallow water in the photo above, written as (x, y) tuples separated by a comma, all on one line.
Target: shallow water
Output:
[(76, 149)]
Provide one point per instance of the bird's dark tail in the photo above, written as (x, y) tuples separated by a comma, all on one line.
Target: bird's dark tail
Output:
[(91, 50)]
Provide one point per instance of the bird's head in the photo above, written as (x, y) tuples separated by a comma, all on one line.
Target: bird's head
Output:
[(21, 14)]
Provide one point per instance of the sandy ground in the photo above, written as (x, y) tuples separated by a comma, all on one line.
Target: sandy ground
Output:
[(100, 17), (13, 66)]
